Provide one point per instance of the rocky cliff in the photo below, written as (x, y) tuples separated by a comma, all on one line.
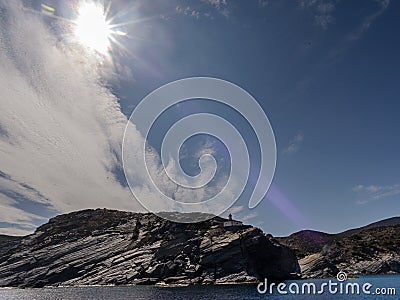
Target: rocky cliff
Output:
[(373, 249), (8, 242), (113, 247)]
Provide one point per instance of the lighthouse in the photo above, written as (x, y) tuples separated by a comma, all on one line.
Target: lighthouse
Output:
[(231, 222)]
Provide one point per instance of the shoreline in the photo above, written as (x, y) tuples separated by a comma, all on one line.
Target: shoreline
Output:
[(164, 285)]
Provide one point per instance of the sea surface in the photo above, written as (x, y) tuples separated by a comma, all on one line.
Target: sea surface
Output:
[(232, 292)]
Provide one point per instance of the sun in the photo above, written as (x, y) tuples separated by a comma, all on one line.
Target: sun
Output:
[(92, 28)]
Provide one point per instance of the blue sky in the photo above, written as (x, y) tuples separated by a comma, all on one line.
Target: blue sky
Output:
[(326, 74), (329, 91)]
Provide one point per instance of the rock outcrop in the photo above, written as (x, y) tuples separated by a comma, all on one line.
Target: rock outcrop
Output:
[(93, 247), (369, 250)]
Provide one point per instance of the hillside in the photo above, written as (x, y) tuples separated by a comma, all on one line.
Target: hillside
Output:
[(306, 242), (372, 249), (382, 223)]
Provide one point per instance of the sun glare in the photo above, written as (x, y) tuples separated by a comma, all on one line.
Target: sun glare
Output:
[(92, 28)]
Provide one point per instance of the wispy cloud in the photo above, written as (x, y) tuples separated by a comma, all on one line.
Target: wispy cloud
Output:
[(188, 11), (322, 11), (235, 209), (357, 33), (220, 5), (61, 128), (217, 3), (249, 216), (263, 3), (375, 192), (345, 42), (206, 10), (15, 231), (294, 144)]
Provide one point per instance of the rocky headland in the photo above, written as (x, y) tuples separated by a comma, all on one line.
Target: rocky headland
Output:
[(107, 247)]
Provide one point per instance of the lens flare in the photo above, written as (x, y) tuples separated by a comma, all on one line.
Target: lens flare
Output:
[(92, 28)]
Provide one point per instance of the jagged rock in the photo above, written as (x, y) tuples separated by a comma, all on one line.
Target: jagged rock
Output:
[(317, 266), (113, 247)]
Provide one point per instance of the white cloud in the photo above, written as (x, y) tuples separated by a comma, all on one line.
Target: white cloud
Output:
[(15, 231), (221, 6), (383, 3), (359, 31), (249, 216), (234, 210), (308, 3), (61, 129), (322, 11), (376, 192), (294, 144), (324, 20), (325, 8), (369, 188), (188, 11), (217, 3), (16, 216), (263, 3)]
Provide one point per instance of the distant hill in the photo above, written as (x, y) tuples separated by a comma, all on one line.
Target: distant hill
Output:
[(386, 222), (371, 249), (306, 242), (367, 252)]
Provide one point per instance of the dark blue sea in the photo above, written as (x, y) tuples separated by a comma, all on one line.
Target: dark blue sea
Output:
[(375, 285)]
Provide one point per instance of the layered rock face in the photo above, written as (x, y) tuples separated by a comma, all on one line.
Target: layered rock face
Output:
[(113, 247), (8, 242)]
